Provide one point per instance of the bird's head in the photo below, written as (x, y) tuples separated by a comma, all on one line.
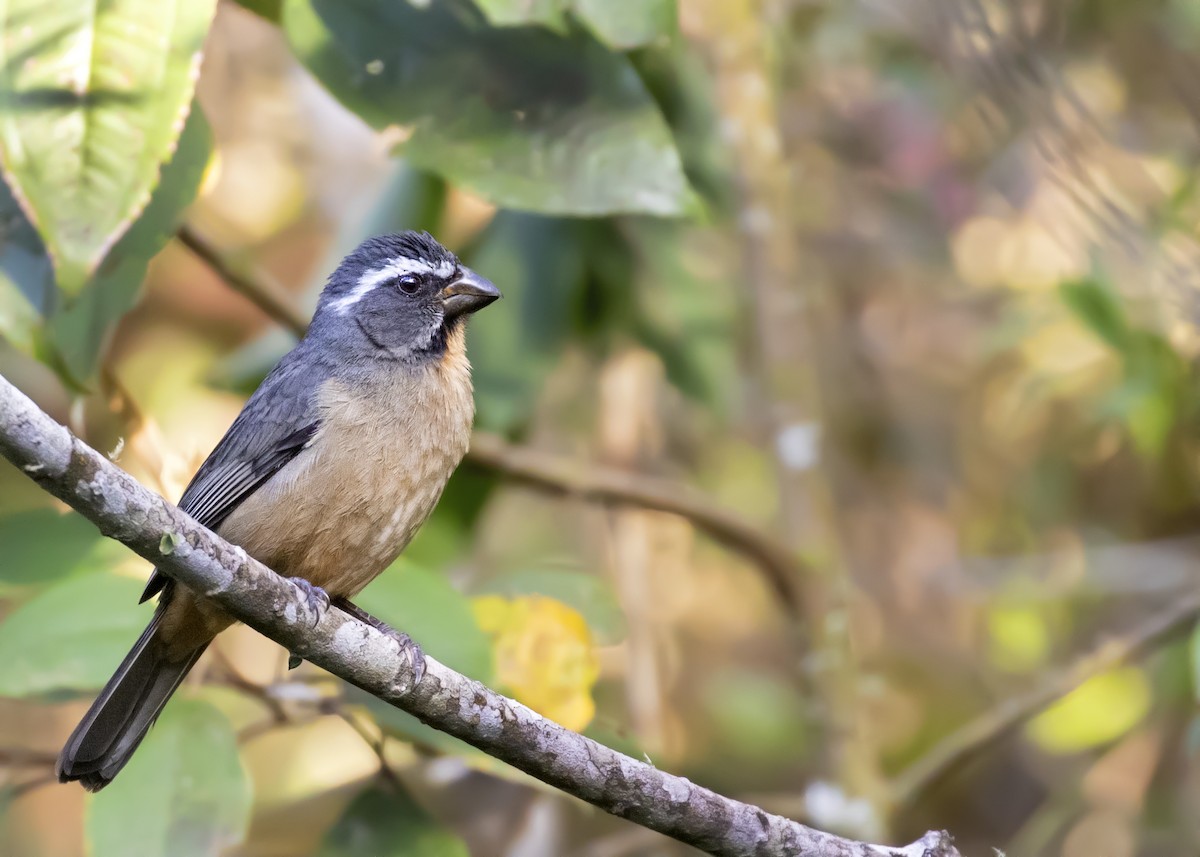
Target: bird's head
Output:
[(400, 296)]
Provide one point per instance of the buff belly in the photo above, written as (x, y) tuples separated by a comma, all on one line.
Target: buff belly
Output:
[(344, 509)]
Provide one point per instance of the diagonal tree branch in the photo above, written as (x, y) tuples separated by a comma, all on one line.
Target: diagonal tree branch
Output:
[(155, 529), (1007, 715), (781, 566)]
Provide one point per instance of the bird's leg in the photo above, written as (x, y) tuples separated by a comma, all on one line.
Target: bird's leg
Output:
[(409, 650), (317, 600)]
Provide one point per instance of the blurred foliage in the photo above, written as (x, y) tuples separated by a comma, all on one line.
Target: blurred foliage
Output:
[(995, 213), (390, 826), (70, 635), (42, 544), (186, 795)]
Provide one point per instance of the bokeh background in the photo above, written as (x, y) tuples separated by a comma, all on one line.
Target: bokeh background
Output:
[(837, 435)]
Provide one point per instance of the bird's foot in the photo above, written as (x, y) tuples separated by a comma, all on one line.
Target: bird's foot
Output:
[(317, 601), (315, 597), (409, 649)]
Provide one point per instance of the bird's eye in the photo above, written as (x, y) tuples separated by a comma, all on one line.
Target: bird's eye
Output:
[(409, 283)]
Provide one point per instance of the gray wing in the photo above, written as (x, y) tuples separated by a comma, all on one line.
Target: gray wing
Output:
[(273, 427)]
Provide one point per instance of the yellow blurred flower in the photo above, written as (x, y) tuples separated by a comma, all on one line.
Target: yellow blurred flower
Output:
[(1019, 639), (1100, 710), (543, 653)]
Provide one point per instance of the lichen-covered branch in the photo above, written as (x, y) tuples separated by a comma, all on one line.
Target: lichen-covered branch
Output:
[(155, 529)]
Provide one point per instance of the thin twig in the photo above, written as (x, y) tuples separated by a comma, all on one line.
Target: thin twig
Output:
[(562, 474), (365, 656), (378, 745), (265, 295), (21, 757), (277, 713), (781, 566), (20, 789), (1009, 714)]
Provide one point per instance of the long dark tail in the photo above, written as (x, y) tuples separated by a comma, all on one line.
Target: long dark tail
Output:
[(124, 711)]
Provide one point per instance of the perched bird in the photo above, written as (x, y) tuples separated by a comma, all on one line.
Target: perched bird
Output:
[(326, 474)]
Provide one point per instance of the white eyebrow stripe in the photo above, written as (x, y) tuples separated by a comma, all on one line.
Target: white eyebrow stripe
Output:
[(396, 268)]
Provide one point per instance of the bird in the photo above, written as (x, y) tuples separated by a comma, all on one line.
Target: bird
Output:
[(326, 474)]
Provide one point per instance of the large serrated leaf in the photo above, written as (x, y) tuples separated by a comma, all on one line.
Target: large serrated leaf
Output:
[(69, 335), (531, 119), (78, 331), (184, 793), (93, 97), (71, 636)]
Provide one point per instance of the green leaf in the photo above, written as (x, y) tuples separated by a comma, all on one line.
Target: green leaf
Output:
[(168, 543), (1098, 308), (71, 636), (94, 97), (1156, 384), (510, 13), (625, 24), (184, 793), (620, 24), (425, 606), (686, 306), (270, 10), (79, 329), (390, 825), (587, 593), (1194, 659), (43, 545), (69, 334), (26, 276), (1191, 740), (528, 118)]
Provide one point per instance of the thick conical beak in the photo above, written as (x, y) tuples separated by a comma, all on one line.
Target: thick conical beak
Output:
[(470, 292)]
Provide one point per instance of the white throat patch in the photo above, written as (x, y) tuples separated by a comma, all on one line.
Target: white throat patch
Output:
[(395, 268)]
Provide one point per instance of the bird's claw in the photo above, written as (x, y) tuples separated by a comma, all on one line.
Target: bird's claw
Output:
[(410, 651), (315, 597)]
